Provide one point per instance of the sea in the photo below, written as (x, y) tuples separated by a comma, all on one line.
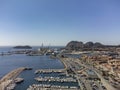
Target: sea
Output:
[(11, 62)]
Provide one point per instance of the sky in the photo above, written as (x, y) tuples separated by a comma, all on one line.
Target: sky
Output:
[(56, 22)]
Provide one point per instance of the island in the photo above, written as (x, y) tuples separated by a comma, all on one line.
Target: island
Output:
[(22, 47)]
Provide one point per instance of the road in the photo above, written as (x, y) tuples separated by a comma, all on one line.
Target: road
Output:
[(83, 85)]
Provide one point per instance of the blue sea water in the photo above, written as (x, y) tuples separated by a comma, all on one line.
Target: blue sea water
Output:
[(11, 62)]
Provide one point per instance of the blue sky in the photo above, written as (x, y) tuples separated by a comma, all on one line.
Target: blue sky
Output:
[(56, 22)]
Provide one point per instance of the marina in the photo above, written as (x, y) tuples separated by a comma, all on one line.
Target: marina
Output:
[(29, 65)]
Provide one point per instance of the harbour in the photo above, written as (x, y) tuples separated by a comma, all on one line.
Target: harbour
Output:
[(11, 62)]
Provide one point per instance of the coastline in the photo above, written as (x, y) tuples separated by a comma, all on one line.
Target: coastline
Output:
[(62, 61)]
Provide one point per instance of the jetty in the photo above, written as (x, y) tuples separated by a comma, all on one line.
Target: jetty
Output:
[(51, 87), (9, 78), (55, 79), (49, 71)]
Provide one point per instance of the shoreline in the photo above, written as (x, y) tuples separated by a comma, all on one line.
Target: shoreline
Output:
[(62, 61)]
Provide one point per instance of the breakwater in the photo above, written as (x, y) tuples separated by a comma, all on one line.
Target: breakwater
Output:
[(9, 78)]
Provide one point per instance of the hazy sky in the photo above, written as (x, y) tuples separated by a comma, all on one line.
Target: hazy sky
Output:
[(56, 22)]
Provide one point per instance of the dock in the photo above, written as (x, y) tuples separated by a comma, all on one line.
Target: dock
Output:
[(56, 79), (49, 71), (51, 87)]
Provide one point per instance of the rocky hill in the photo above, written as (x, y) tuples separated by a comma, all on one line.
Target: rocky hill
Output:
[(75, 45)]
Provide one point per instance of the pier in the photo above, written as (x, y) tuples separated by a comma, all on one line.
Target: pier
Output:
[(55, 79), (10, 77), (50, 87), (49, 71)]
